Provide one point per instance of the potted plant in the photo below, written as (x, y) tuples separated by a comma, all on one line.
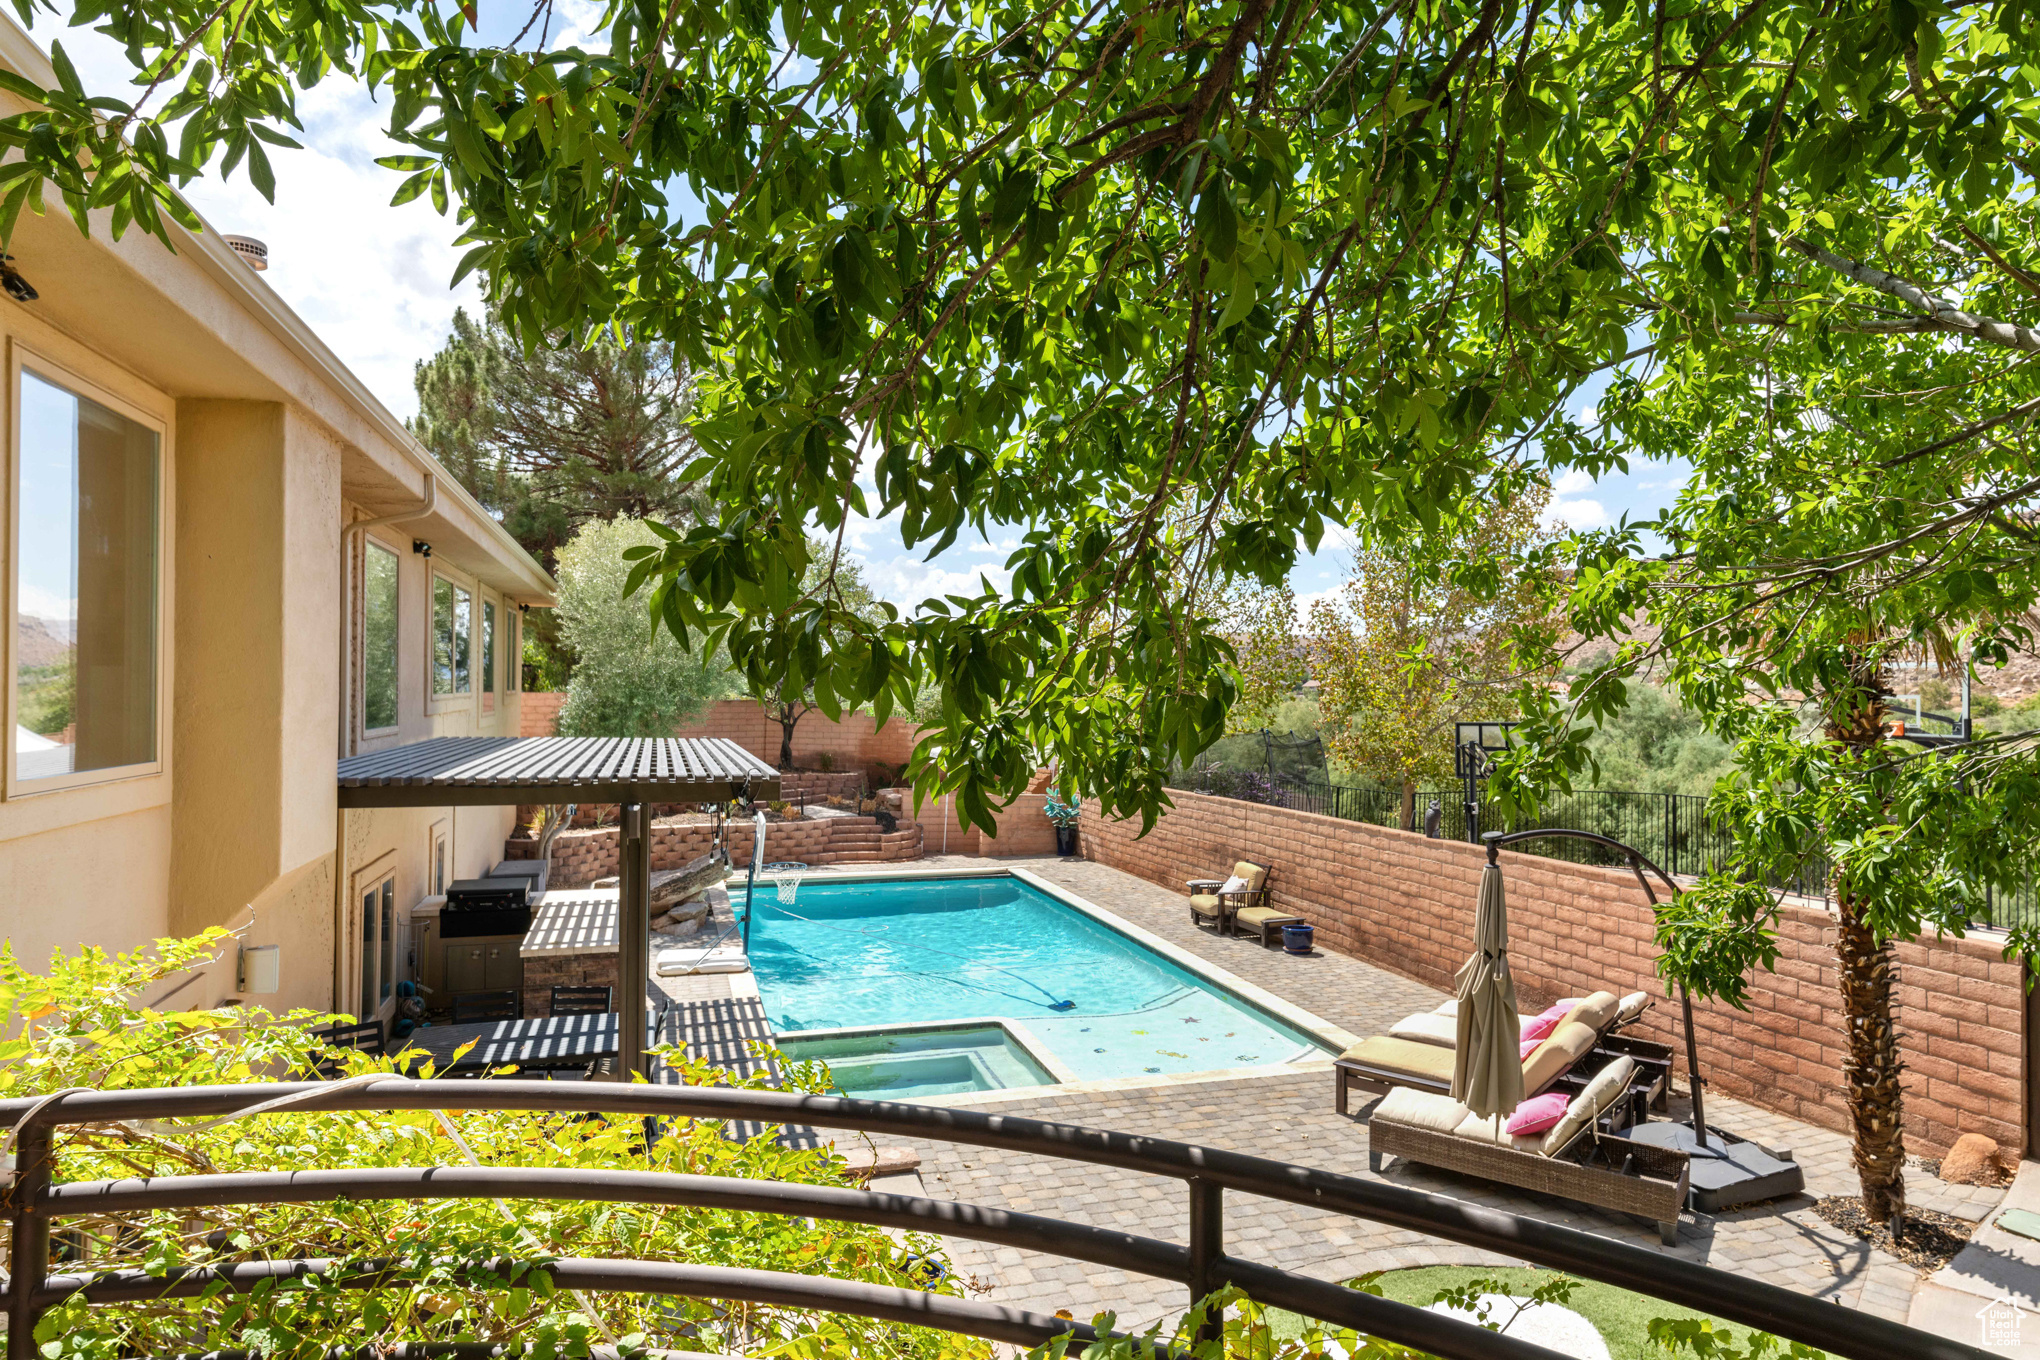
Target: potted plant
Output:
[(1064, 815)]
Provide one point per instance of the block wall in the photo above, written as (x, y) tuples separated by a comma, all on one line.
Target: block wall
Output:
[(581, 857), (1404, 902)]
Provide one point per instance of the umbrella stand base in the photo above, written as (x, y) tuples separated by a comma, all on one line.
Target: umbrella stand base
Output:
[(1729, 1172)]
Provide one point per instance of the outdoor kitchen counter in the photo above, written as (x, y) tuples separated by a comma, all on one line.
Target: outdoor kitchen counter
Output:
[(567, 924)]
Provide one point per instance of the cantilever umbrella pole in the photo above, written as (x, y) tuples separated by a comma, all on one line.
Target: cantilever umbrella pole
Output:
[(1497, 839)]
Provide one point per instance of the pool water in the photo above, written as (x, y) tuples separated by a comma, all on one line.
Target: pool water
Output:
[(888, 953), (950, 1060)]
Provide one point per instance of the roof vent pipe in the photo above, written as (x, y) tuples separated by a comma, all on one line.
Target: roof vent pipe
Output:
[(253, 253)]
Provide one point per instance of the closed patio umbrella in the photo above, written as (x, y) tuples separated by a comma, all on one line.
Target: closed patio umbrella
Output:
[(1487, 1070)]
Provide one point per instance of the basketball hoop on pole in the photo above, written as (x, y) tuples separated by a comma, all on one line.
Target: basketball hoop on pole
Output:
[(787, 875)]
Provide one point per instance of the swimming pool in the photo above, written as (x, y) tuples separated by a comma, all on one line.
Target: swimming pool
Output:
[(876, 953)]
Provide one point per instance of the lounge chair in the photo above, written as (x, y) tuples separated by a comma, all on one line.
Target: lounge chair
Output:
[(1219, 909), (1381, 1064), (1583, 1159)]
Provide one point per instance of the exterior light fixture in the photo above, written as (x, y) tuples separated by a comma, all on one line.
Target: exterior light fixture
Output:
[(421, 547), (260, 970), (18, 288)]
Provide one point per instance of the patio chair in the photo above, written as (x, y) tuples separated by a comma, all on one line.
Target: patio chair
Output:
[(1219, 909), (476, 1007), (366, 1037), (581, 1001)]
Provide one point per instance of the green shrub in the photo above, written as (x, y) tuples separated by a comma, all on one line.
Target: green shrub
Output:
[(78, 1025)]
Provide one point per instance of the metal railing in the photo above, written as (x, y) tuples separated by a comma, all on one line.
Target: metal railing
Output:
[(35, 1200), (1669, 827)]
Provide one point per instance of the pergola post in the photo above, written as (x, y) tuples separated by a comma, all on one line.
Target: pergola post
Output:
[(634, 935)]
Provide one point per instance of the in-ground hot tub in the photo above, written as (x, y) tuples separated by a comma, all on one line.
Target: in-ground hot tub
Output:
[(918, 1061)]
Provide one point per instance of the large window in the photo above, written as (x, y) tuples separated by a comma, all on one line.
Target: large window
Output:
[(488, 647), (452, 638), (379, 638), (86, 586)]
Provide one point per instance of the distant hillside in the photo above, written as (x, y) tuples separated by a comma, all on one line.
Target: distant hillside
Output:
[(41, 642)]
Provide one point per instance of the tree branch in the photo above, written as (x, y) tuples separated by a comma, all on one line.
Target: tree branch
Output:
[(1948, 316)]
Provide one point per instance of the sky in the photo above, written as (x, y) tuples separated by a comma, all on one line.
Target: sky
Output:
[(371, 279)]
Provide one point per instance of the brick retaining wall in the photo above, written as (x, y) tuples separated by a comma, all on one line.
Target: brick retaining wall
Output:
[(581, 857), (1397, 899), (855, 743)]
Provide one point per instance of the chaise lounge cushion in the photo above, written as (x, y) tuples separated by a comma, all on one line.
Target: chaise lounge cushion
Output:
[(1257, 916), (1633, 1005), (1427, 1029), (1253, 875), (1420, 1109), (1406, 1056), (1597, 1011), (1494, 1130), (1205, 904), (1555, 1057), (1604, 1090)]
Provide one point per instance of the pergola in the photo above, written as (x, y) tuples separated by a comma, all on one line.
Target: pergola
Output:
[(634, 772)]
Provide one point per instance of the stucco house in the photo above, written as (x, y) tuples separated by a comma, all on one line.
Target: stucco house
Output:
[(227, 565)]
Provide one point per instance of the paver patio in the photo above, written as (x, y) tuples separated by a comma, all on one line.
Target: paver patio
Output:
[(1289, 1116)]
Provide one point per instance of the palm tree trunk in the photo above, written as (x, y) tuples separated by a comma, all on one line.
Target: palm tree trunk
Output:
[(1873, 1066), (1867, 970)]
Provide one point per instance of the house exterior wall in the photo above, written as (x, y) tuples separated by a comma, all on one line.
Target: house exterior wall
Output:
[(236, 823), (1399, 900)]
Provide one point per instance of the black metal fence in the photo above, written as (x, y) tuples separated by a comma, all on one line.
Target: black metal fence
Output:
[(1670, 828), (37, 1198)]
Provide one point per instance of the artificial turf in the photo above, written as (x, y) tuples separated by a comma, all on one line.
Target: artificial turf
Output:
[(1622, 1318)]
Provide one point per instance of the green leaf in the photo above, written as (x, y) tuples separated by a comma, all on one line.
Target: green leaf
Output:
[(67, 74), (259, 173), (1217, 225)]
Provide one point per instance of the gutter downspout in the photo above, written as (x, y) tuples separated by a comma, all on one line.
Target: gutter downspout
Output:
[(349, 736)]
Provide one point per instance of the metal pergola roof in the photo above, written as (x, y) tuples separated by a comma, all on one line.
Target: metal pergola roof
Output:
[(485, 771)]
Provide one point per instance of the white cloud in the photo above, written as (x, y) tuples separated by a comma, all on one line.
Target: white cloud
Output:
[(369, 278), (1579, 513), (1571, 482)]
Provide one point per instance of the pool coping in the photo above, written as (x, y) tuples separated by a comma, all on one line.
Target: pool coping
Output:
[(1335, 1038)]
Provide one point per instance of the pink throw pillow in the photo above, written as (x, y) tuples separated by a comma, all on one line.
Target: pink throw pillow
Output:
[(1537, 1114), (1547, 1020), (1526, 1048)]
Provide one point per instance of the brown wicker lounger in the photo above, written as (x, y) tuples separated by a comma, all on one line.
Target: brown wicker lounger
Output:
[(1606, 1171)]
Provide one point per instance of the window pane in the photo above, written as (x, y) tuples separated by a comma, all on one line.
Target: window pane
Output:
[(368, 924), (442, 636), (85, 631), (389, 943), (463, 638), (488, 647), (514, 662), (379, 639)]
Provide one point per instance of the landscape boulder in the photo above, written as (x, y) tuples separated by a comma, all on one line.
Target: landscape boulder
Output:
[(671, 887), (1972, 1161)]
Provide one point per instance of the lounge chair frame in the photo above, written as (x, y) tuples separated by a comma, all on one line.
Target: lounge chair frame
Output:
[(1229, 904), (1604, 1170)]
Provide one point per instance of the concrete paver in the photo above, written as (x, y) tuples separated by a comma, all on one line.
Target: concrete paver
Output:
[(1288, 1115)]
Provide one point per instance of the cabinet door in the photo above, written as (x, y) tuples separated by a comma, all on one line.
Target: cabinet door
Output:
[(504, 966), (466, 968)]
